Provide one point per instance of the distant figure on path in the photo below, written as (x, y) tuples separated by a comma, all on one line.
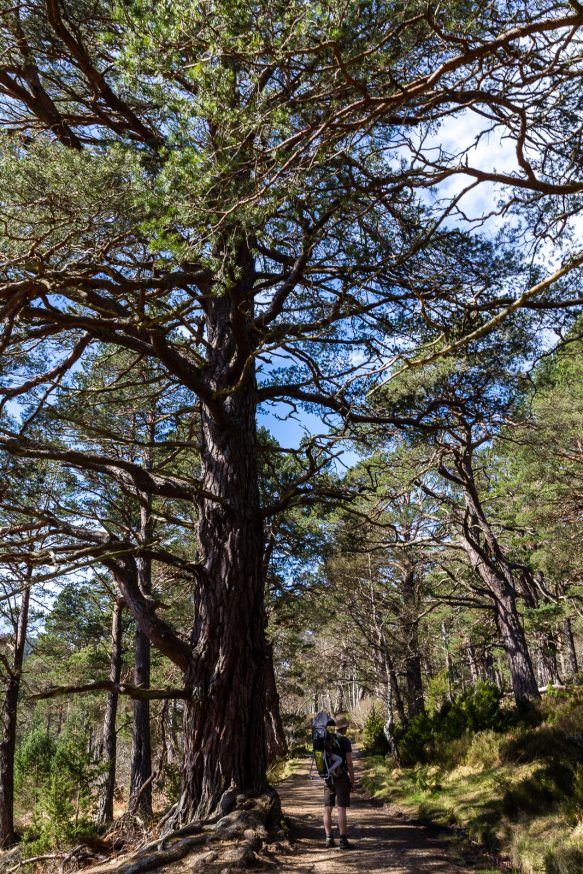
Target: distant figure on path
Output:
[(337, 787)]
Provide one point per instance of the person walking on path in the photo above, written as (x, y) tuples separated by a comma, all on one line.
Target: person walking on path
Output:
[(337, 787)]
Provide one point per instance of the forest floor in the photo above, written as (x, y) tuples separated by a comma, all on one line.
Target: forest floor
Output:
[(386, 841)]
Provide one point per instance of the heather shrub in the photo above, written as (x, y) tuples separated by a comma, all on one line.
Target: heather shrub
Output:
[(484, 749)]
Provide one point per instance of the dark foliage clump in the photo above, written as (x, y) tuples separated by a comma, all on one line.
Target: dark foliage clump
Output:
[(374, 740), (476, 710)]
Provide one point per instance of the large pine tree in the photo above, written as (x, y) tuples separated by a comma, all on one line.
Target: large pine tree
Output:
[(230, 190)]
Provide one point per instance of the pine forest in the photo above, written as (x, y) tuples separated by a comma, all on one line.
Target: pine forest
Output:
[(291, 421)]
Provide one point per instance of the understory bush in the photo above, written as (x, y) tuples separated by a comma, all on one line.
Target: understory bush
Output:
[(373, 735), (484, 749), (477, 710), (32, 766), (56, 777)]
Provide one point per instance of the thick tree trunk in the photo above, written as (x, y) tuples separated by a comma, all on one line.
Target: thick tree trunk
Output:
[(489, 562), (9, 720), (224, 720), (524, 685), (414, 680), (512, 637), (105, 810)]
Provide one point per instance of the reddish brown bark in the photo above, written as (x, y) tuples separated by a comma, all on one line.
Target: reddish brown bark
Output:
[(224, 722)]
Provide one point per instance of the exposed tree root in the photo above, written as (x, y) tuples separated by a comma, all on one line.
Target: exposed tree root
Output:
[(229, 842), (151, 861)]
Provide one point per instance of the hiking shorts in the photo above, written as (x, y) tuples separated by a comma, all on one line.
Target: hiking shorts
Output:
[(337, 792)]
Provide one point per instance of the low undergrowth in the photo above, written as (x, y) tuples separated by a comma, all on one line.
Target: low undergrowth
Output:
[(287, 765), (516, 787), (281, 770)]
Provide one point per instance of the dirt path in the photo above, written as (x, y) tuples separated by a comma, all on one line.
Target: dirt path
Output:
[(386, 842)]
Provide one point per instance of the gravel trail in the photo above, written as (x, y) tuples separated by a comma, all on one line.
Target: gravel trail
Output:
[(386, 842)]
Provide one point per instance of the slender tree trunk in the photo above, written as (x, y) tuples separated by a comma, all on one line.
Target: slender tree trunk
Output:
[(388, 667), (569, 652), (413, 675), (105, 810), (448, 661), (548, 659), (276, 744), (472, 664), (140, 800), (388, 727), (340, 704), (174, 738), (9, 719), (224, 720), (544, 638), (488, 666)]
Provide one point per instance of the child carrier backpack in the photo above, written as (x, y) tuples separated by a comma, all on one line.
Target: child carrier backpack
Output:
[(325, 747)]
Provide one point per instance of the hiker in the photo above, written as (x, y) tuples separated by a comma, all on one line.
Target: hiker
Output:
[(337, 786)]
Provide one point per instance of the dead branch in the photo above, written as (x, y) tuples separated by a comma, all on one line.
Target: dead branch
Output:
[(34, 859)]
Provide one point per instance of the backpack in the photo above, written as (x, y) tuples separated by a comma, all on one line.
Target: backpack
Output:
[(324, 745)]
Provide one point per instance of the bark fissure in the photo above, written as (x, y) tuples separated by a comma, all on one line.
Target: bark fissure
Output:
[(224, 725)]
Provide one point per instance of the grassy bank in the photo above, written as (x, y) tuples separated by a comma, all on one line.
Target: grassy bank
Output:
[(517, 789)]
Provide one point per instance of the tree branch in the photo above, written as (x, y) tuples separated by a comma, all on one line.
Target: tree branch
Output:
[(137, 693)]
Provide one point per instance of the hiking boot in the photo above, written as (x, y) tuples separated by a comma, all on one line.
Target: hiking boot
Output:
[(330, 842), (345, 844)]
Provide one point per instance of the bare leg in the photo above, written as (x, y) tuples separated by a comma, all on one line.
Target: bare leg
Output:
[(328, 820), (342, 820)]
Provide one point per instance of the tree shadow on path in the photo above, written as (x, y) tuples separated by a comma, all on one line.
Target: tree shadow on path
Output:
[(385, 843)]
